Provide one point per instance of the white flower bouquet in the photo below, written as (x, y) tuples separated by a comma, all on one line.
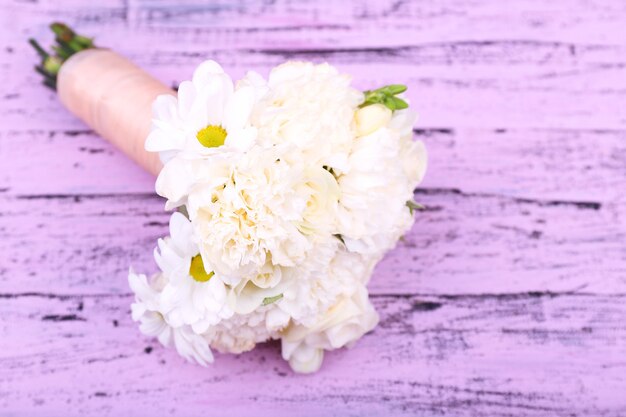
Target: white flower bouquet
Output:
[(286, 191)]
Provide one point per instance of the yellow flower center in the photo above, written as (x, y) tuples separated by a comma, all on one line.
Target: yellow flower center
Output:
[(212, 136), (197, 271)]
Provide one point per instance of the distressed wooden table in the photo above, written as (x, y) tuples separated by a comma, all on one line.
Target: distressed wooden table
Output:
[(508, 297)]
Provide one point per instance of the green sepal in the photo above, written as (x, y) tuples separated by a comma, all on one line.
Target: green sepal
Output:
[(52, 65), (386, 96), (394, 89), (389, 103), (183, 210), (413, 206), (270, 300), (62, 31)]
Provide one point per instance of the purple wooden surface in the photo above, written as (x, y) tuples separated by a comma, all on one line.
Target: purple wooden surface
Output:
[(507, 298)]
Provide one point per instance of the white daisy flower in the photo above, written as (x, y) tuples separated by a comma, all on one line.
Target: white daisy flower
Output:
[(147, 310), (207, 113), (208, 116), (192, 295)]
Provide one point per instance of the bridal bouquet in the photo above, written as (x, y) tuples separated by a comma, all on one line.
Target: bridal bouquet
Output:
[(286, 192)]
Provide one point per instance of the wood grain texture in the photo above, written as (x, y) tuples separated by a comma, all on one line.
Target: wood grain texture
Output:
[(464, 243), (507, 298), (521, 355)]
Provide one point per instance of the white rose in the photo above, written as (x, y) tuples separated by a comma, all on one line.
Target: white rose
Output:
[(412, 153), (322, 193), (371, 118), (305, 359), (342, 325), (372, 212)]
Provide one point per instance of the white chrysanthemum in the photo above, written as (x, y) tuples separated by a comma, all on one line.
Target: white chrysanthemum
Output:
[(147, 311), (209, 99), (343, 324), (208, 115), (372, 212), (312, 107), (191, 296)]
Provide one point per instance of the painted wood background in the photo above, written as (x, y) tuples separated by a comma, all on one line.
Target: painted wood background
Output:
[(507, 298)]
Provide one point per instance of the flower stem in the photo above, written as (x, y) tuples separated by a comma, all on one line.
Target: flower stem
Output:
[(67, 44), (42, 52)]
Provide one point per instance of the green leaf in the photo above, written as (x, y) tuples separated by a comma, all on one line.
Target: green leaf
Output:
[(270, 300), (84, 41), (394, 89), (413, 206), (61, 52), (399, 103), (62, 31), (390, 103), (386, 95), (67, 47)]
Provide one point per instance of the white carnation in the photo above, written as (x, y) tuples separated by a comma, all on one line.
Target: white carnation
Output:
[(247, 214), (242, 332), (311, 107)]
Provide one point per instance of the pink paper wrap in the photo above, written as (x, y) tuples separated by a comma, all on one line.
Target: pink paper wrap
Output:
[(114, 97)]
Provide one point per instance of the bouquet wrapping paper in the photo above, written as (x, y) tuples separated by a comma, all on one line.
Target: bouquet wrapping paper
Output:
[(114, 97)]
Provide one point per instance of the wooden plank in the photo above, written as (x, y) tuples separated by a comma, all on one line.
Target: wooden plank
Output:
[(538, 73), (581, 21), (507, 297), (494, 88), (462, 244), (544, 164), (523, 355)]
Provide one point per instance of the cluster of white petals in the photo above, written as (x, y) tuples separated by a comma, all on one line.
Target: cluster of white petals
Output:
[(293, 189)]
